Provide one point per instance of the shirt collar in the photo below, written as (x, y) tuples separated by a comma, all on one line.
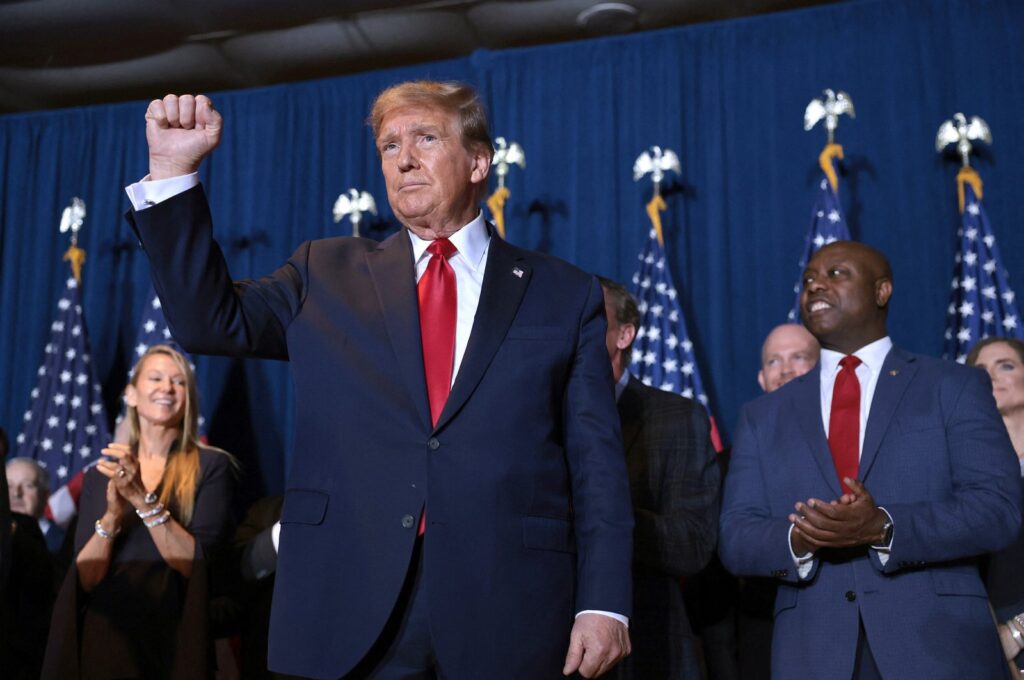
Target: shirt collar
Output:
[(620, 386), (471, 242), (872, 355)]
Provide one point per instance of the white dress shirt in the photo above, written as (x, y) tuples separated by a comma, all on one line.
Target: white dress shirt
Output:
[(472, 242), (872, 356)]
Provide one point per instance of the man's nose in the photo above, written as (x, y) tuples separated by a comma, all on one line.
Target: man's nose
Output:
[(407, 158), (814, 284)]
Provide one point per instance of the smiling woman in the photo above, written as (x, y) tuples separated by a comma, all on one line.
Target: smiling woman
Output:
[(1003, 359), (152, 512)]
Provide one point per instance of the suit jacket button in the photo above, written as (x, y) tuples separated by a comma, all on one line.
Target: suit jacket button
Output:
[(408, 521), (850, 596), (433, 444)]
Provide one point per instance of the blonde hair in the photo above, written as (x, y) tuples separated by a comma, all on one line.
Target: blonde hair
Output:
[(181, 472), (455, 98)]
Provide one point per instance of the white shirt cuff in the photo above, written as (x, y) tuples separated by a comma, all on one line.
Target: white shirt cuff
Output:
[(146, 193), (884, 550), (624, 620), (804, 563), (275, 534)]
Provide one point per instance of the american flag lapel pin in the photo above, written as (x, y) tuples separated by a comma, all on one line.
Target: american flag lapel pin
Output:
[(517, 272)]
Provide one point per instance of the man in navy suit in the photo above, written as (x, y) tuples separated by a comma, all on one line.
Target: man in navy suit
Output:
[(29, 489), (675, 486), (458, 504), (867, 487)]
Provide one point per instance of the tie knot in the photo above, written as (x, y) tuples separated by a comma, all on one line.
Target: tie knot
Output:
[(850, 362), (442, 247)]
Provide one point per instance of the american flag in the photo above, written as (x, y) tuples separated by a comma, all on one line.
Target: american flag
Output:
[(982, 303), (663, 354), (827, 225), (65, 427), (153, 330)]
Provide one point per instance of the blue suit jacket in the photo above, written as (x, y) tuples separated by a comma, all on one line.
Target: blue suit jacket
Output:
[(936, 455), (529, 517)]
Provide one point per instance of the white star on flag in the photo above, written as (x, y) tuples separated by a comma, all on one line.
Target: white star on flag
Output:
[(60, 404), (981, 300)]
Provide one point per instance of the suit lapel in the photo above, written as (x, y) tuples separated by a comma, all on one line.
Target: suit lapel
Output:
[(393, 273), (898, 370), (630, 413), (805, 405), (505, 282)]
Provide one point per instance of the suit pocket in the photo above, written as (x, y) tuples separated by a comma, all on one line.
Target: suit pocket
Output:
[(547, 533), (958, 583), (304, 506), (785, 598), (537, 333)]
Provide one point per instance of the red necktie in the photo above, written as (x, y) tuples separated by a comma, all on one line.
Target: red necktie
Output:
[(844, 421), (438, 297)]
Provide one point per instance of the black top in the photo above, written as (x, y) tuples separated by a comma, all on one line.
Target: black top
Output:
[(143, 620)]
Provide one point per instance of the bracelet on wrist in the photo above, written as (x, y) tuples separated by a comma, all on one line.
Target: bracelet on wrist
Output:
[(157, 521), (155, 510), (103, 533), (1015, 633)]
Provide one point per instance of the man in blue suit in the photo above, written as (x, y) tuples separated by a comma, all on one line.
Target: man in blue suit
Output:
[(458, 505), (867, 487)]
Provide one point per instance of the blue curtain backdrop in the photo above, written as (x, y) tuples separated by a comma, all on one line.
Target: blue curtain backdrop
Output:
[(727, 97)]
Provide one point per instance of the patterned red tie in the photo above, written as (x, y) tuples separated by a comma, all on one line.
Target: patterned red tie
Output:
[(844, 421), (438, 299)]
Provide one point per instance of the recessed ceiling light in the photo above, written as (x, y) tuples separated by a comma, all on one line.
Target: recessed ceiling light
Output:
[(606, 18)]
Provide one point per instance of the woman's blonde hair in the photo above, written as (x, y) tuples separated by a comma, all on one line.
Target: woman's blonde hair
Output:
[(181, 472)]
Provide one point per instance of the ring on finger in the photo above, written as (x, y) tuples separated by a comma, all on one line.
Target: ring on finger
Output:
[(121, 472)]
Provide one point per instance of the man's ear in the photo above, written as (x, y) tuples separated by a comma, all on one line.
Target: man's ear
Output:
[(760, 380), (883, 291), (627, 332), (481, 165)]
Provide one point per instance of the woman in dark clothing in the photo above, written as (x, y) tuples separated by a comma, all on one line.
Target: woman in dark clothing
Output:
[(1003, 359), (152, 513)]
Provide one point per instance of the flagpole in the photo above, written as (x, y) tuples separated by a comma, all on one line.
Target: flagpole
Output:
[(506, 154), (827, 221)]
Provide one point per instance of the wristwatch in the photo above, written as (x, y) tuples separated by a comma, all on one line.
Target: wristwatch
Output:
[(886, 531)]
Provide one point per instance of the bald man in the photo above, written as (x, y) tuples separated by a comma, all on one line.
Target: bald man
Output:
[(789, 351), (867, 488)]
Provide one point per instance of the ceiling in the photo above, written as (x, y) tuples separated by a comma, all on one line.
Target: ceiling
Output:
[(58, 53)]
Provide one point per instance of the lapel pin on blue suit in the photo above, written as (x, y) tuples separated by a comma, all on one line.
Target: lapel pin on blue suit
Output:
[(894, 372), (517, 272)]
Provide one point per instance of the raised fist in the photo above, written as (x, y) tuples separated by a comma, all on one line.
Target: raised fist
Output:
[(181, 132)]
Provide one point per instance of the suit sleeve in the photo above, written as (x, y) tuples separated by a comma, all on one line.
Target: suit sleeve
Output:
[(680, 537), (206, 311), (982, 512), (600, 485), (752, 542)]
